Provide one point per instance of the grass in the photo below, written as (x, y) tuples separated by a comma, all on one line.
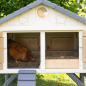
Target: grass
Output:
[(55, 80), (49, 80)]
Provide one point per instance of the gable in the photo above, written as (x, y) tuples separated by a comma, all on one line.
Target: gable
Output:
[(30, 17)]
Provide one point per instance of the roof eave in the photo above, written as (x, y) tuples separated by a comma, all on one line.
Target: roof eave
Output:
[(65, 11), (35, 3)]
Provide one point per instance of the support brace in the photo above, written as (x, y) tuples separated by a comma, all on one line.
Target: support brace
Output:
[(7, 76), (10, 80), (76, 79)]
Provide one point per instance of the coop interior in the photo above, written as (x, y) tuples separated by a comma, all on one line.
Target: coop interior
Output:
[(62, 50), (17, 50)]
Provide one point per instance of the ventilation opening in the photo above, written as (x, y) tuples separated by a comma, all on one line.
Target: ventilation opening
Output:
[(42, 12), (23, 50)]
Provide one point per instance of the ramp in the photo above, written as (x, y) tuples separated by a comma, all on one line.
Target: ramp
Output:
[(27, 78)]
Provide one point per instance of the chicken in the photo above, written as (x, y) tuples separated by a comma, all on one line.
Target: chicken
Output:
[(19, 52)]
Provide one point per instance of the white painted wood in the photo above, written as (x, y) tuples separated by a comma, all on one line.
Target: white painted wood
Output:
[(61, 63), (80, 59), (48, 27), (42, 42), (5, 50), (19, 24), (5, 39), (42, 48), (80, 38), (10, 71), (5, 60), (80, 50), (30, 17)]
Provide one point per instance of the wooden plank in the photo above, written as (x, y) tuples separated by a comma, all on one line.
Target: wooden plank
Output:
[(26, 83), (1, 50), (84, 65), (84, 49), (29, 42), (10, 80), (84, 32), (62, 43), (61, 63), (26, 76), (1, 34), (76, 79), (42, 50), (1, 66)]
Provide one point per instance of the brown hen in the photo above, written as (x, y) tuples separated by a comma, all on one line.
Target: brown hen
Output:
[(19, 52)]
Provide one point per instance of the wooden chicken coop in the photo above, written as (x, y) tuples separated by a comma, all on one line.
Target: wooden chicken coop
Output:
[(55, 36)]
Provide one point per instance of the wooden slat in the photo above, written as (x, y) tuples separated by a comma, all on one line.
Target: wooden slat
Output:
[(62, 43), (1, 66), (1, 34), (84, 49), (26, 83), (27, 78), (31, 40), (61, 63), (84, 32), (10, 80), (1, 50), (84, 65)]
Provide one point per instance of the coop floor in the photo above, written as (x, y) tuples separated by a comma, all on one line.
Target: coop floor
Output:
[(22, 64)]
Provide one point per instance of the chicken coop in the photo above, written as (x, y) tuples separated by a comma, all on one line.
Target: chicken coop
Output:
[(52, 35), (55, 37)]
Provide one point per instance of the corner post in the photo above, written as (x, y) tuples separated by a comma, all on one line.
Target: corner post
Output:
[(7, 76), (82, 78)]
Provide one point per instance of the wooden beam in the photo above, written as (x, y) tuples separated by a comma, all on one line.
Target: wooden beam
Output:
[(76, 79), (82, 78), (7, 76), (42, 49), (10, 80)]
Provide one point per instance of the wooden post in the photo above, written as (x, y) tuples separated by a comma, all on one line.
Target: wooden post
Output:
[(42, 49), (7, 76), (82, 78)]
